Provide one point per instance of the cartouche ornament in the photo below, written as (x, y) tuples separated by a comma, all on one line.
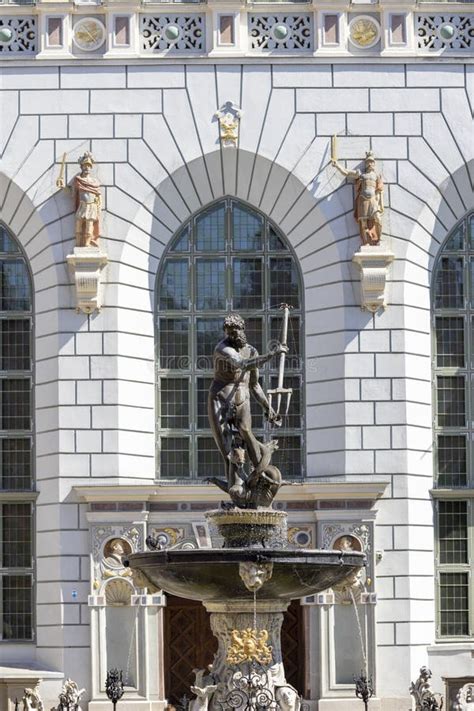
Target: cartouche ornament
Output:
[(249, 646)]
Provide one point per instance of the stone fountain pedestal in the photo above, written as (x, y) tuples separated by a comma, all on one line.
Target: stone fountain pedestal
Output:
[(249, 631)]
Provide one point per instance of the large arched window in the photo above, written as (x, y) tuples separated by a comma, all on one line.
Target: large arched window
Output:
[(229, 257), (16, 476), (453, 316)]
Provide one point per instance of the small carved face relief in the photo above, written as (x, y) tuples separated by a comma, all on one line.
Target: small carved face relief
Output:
[(287, 698), (254, 575), (114, 552), (347, 544)]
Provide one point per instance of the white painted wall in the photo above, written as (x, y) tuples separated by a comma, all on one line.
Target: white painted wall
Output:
[(152, 132)]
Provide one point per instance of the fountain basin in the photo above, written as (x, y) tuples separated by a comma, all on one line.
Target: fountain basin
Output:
[(213, 574), (250, 528)]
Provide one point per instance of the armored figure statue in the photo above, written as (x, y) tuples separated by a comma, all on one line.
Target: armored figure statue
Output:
[(236, 365), (87, 201), (368, 208)]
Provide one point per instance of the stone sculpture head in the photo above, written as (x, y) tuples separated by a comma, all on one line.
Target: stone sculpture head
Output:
[(86, 162), (254, 575), (117, 547), (234, 328), (369, 162), (287, 698)]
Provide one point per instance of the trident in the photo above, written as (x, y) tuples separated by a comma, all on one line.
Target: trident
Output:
[(280, 390)]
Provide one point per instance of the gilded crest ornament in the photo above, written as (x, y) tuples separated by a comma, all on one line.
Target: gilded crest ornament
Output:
[(249, 645), (364, 31), (229, 116)]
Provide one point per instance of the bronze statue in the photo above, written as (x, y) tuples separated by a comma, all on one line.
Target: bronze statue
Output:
[(236, 365)]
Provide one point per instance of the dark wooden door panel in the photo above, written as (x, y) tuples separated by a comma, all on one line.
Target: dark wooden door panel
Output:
[(190, 644)]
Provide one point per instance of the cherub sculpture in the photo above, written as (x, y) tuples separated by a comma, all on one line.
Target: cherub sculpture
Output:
[(204, 688), (32, 700), (70, 696), (425, 698)]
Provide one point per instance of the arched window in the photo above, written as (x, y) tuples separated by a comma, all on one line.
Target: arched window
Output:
[(227, 258), (453, 325)]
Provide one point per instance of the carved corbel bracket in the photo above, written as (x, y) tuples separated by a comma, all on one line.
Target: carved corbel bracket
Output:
[(373, 262), (86, 265)]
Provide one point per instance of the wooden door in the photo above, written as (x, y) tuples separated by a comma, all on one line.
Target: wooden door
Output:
[(293, 646), (190, 644)]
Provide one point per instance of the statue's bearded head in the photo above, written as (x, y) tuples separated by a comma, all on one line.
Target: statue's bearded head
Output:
[(86, 162), (369, 162), (234, 328)]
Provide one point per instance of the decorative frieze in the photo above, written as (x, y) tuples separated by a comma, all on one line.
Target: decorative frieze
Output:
[(281, 31), (445, 31), (107, 34), (183, 33), (18, 35)]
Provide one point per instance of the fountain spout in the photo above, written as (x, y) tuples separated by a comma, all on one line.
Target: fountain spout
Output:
[(254, 575)]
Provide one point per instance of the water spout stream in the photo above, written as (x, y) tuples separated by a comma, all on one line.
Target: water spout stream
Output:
[(359, 627), (255, 610)]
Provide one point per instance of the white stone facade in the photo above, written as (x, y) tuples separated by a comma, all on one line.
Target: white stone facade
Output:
[(152, 130)]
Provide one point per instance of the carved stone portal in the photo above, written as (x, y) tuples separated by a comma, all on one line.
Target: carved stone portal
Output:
[(373, 263)]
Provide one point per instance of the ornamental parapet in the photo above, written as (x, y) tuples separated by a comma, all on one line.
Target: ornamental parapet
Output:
[(123, 29)]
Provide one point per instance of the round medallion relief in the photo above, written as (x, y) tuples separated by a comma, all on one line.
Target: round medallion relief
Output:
[(364, 31), (88, 34)]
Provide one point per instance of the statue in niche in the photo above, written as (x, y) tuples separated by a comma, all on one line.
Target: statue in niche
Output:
[(368, 207), (87, 201), (236, 365)]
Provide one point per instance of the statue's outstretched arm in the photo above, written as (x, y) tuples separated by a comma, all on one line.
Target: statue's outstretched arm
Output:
[(255, 361), (259, 360), (345, 171)]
